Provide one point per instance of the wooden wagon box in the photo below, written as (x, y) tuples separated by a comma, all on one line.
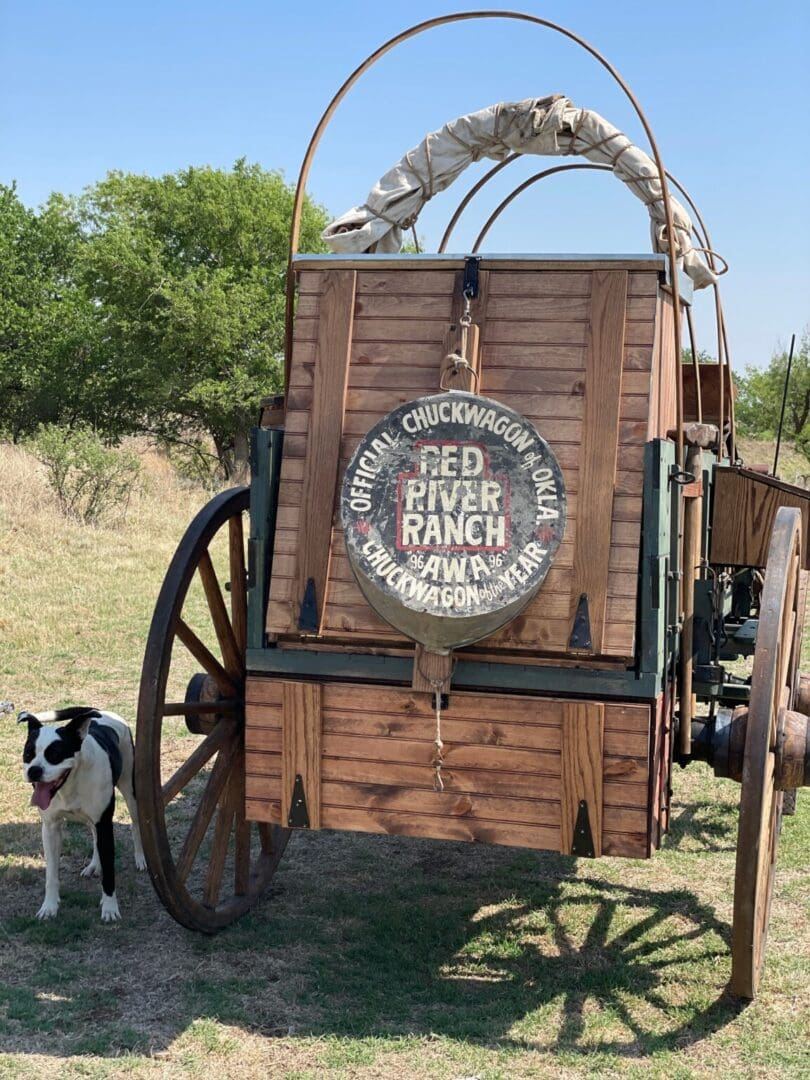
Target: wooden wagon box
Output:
[(515, 769), (581, 347)]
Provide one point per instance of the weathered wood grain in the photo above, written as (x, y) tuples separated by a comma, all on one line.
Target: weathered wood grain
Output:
[(599, 448), (744, 506), (301, 745), (582, 770), (324, 433)]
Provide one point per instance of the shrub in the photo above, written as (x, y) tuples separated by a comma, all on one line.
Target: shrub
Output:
[(92, 481)]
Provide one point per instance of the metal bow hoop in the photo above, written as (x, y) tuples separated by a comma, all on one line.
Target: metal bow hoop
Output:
[(467, 16), (700, 231)]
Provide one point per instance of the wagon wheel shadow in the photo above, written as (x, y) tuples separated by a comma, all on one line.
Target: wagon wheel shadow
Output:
[(625, 973), (703, 825), (540, 959)]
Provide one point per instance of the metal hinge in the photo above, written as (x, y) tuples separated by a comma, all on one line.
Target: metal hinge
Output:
[(298, 817), (583, 837), (581, 632), (308, 616)]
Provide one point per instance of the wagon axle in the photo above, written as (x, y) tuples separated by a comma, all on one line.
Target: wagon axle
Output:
[(720, 742)]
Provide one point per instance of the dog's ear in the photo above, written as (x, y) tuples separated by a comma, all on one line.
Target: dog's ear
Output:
[(79, 723), (30, 719)]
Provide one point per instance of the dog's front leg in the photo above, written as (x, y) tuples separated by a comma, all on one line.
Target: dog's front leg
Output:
[(106, 853), (52, 846)]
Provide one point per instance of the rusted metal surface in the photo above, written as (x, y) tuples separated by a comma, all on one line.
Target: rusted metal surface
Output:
[(467, 16)]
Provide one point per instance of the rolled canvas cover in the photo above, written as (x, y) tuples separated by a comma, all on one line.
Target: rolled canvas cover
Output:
[(546, 126)]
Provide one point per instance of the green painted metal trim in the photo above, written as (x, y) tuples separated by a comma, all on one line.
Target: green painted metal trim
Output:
[(265, 468), (468, 674), (659, 458)]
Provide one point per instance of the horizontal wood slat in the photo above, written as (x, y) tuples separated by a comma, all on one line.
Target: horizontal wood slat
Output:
[(503, 770)]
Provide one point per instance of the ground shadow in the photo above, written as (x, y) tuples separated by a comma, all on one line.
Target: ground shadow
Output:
[(365, 935), (704, 825)]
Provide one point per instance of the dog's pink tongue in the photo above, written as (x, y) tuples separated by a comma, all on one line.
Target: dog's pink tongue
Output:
[(42, 795)]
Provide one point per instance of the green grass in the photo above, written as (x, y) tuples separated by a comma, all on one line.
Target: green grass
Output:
[(370, 956)]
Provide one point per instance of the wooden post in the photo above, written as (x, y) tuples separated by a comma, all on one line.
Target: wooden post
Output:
[(582, 770), (600, 438), (301, 748), (323, 448)]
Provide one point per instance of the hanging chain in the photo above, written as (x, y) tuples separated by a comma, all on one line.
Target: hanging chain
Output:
[(458, 361)]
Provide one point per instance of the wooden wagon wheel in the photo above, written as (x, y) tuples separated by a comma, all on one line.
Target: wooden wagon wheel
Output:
[(207, 862), (772, 686)]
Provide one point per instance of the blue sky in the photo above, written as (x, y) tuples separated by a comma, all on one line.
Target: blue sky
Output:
[(153, 87)]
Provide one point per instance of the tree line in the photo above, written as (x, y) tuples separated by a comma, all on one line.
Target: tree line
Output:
[(148, 305), (155, 305)]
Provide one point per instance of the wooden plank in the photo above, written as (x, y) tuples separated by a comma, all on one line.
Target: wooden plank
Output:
[(301, 745), (582, 764), (564, 283), (543, 838), (495, 808), (522, 308), (744, 506), (416, 355), (324, 430), (599, 447), (420, 263)]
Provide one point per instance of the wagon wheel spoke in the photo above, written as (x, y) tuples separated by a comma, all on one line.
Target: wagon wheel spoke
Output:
[(219, 848), (205, 810), (199, 758), (208, 863), (203, 655), (231, 655)]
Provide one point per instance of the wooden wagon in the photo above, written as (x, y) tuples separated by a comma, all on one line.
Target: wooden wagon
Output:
[(496, 555)]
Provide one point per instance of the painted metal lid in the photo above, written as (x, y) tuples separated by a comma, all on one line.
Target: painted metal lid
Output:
[(453, 507)]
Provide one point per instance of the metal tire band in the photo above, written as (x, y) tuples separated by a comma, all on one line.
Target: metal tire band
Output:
[(453, 507)]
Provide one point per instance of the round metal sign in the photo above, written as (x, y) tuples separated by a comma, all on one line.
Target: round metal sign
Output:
[(453, 508)]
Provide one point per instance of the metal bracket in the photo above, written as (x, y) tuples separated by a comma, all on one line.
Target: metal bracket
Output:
[(308, 617), (581, 632), (470, 287), (583, 837), (298, 817)]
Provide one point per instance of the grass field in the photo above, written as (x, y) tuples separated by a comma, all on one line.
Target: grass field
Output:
[(371, 957)]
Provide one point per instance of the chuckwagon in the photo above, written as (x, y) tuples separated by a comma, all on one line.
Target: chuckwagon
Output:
[(496, 562)]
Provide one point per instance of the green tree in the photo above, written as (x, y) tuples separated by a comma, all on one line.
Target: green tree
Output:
[(187, 274), (760, 391), (47, 324)]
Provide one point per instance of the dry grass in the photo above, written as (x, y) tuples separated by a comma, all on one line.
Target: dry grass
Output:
[(371, 957)]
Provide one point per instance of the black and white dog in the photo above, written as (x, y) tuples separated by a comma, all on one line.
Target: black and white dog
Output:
[(74, 769)]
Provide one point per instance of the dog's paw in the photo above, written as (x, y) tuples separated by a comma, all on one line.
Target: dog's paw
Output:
[(48, 910), (140, 861), (109, 909), (93, 869)]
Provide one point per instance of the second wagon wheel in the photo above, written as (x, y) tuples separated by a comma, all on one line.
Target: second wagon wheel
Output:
[(207, 862), (772, 685)]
